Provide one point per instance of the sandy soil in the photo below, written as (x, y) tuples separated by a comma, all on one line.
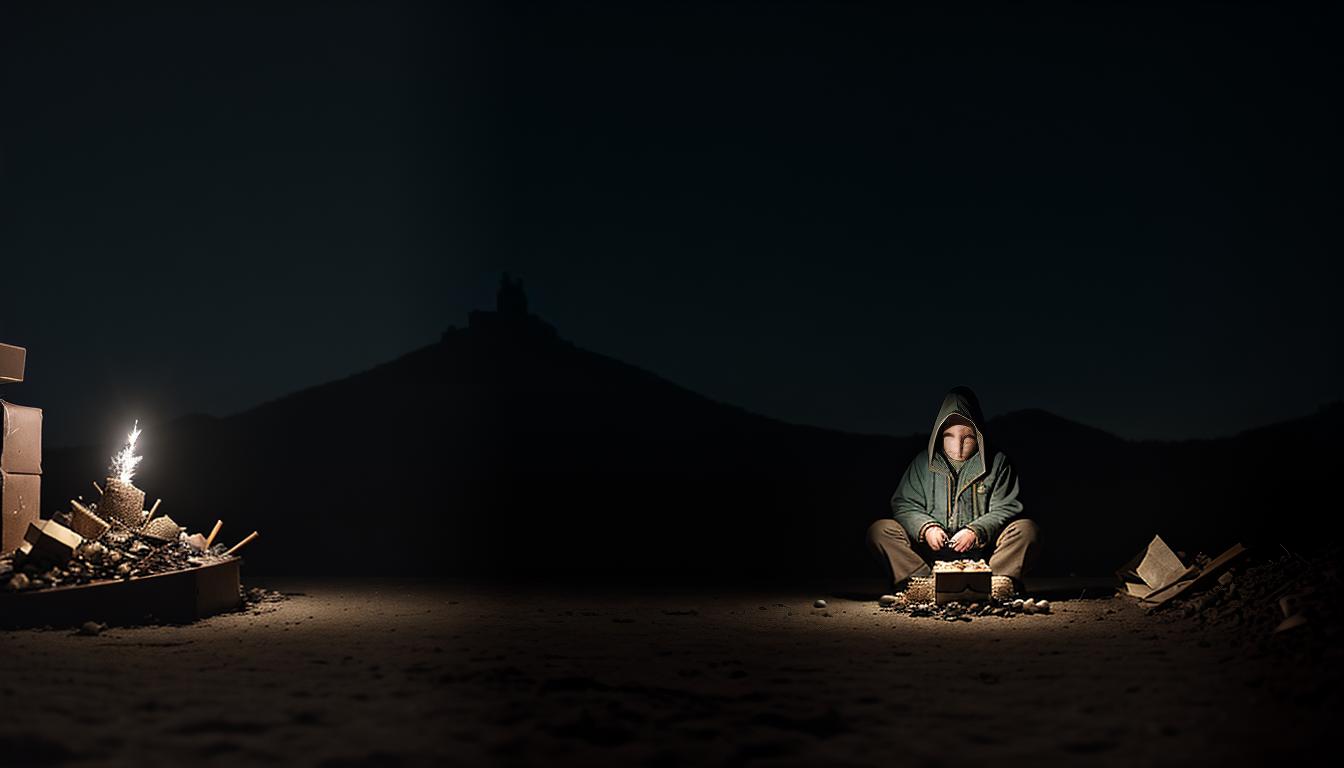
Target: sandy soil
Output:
[(396, 673)]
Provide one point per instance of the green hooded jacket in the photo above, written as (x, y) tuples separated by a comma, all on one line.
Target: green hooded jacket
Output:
[(983, 500)]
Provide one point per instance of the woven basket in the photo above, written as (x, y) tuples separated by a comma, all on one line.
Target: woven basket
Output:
[(122, 502), (87, 524)]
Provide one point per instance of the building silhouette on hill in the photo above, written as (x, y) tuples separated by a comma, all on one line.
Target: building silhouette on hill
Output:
[(510, 315)]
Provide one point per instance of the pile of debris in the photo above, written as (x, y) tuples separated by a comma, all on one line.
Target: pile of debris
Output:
[(113, 538), (1157, 576), (956, 611), (79, 547), (1289, 596)]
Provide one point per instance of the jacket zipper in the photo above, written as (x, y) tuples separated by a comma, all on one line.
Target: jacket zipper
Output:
[(951, 504)]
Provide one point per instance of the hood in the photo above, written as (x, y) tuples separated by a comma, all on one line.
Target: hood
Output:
[(962, 402)]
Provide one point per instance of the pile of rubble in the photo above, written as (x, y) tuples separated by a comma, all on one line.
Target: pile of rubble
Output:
[(955, 611), (1275, 601), (50, 557), (79, 547)]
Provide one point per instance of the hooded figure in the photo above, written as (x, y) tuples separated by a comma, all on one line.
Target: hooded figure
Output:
[(956, 500)]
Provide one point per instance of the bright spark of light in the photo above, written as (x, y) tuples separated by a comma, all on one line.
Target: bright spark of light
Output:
[(123, 464)]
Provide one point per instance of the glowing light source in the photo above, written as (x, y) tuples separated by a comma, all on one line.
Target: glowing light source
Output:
[(123, 464)]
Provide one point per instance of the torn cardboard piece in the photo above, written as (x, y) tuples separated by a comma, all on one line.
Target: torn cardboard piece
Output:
[(1153, 570), (11, 363), (20, 439), (1203, 577), (1156, 575)]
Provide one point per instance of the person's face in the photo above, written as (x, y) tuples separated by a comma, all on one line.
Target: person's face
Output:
[(959, 442)]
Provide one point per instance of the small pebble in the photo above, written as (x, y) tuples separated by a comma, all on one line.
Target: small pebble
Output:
[(886, 601), (18, 581), (1043, 606), (819, 604), (91, 628)]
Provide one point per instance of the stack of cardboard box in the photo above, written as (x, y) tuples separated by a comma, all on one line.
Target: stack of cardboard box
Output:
[(20, 456)]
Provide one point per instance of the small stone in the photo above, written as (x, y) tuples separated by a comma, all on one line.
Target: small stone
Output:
[(886, 601), (974, 608), (93, 551), (18, 581), (1029, 607), (114, 556), (1043, 606), (1017, 604), (819, 604), (124, 570), (91, 628)]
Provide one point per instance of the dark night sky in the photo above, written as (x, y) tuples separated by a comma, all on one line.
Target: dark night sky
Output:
[(825, 213)]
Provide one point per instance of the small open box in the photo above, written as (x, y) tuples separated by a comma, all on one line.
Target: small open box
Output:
[(962, 585)]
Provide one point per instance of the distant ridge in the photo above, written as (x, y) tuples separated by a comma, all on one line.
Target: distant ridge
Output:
[(505, 450)]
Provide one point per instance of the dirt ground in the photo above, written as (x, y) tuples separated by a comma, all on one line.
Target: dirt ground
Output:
[(404, 673)]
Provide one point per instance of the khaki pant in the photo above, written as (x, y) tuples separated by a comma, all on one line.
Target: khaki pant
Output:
[(1011, 554)]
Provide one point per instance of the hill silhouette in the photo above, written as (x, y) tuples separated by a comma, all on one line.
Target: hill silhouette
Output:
[(505, 450)]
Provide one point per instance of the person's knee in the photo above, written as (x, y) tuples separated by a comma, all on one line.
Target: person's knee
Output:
[(885, 530), (1025, 529)]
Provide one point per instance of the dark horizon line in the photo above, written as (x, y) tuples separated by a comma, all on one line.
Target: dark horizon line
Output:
[(1320, 408)]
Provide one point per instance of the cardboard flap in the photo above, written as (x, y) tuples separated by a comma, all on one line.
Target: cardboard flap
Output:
[(11, 363), (1157, 566)]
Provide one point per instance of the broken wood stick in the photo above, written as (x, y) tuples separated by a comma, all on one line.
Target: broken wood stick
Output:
[(152, 509), (213, 533), (242, 543), (97, 488)]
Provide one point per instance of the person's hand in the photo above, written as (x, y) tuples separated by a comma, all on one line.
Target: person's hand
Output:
[(964, 540), (935, 537)]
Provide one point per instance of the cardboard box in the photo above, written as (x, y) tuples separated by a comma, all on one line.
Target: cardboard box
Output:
[(20, 439), (20, 500), (11, 362), (964, 587), (51, 542)]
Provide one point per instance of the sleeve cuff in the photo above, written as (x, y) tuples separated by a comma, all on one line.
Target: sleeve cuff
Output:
[(980, 540)]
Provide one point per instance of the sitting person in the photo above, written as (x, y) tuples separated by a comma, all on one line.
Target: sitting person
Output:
[(956, 486)]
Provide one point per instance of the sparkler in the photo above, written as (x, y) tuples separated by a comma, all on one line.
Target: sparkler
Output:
[(121, 499), (124, 463)]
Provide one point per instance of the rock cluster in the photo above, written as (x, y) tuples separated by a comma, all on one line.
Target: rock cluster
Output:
[(958, 612)]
